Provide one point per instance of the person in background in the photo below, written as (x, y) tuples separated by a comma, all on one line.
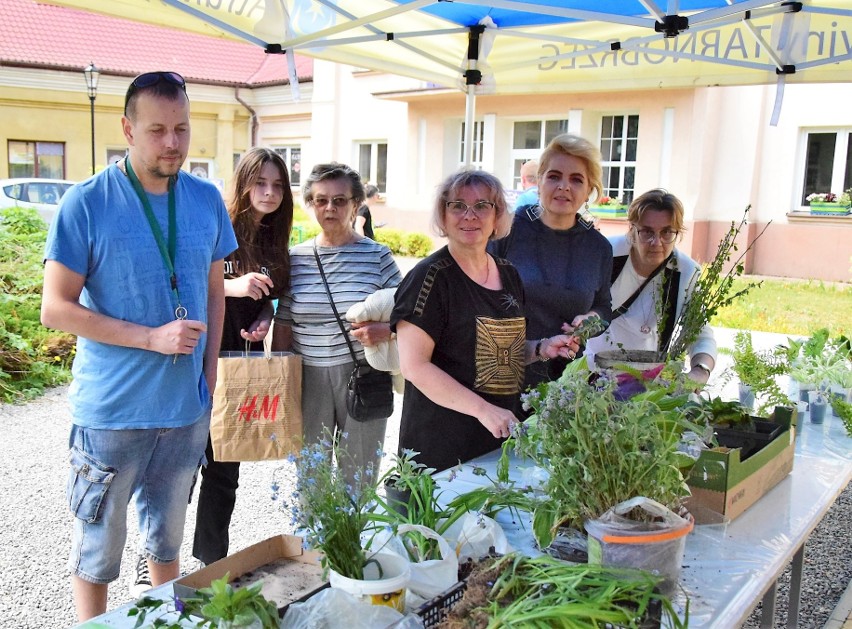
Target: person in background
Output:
[(655, 223), (363, 217), (261, 211), (461, 330), (564, 262), (355, 268), (134, 263), (529, 183)]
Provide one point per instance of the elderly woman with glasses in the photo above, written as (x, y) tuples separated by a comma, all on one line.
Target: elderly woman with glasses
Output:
[(355, 267), (461, 331), (650, 282)]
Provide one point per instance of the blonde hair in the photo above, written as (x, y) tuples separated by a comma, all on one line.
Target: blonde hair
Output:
[(467, 179), (582, 149)]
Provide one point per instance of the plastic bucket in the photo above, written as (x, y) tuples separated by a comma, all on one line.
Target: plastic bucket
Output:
[(657, 549), (389, 590)]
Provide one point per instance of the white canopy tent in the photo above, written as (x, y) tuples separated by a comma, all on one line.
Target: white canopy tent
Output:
[(534, 46)]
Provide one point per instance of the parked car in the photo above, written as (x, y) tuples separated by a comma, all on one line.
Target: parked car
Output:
[(40, 194)]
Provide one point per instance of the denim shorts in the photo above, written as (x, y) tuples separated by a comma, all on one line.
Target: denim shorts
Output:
[(156, 466)]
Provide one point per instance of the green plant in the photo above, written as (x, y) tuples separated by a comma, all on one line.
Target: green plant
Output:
[(31, 356), (420, 504), (758, 370), (219, 605), (330, 512), (416, 245), (843, 410), (600, 450), (391, 238), (519, 591), (713, 290), (820, 359)]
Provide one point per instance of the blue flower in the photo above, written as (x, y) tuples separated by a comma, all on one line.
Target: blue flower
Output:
[(179, 605)]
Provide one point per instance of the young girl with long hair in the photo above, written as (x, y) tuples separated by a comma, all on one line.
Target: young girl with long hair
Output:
[(261, 211)]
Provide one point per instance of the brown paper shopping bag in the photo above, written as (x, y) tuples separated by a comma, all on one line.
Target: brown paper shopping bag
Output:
[(257, 406)]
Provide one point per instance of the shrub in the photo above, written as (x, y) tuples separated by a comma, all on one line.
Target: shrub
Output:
[(416, 245), (31, 356), (392, 238)]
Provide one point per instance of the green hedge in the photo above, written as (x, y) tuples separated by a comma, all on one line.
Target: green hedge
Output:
[(409, 244)]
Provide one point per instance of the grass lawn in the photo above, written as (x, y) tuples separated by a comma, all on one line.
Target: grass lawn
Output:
[(790, 307)]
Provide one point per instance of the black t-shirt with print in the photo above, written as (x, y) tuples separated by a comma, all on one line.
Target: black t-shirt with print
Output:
[(479, 339)]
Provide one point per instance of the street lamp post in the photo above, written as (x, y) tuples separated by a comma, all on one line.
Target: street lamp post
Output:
[(92, 74)]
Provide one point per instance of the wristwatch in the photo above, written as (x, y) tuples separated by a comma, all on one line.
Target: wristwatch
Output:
[(703, 367)]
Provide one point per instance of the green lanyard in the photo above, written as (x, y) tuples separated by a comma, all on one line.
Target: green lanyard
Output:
[(167, 255)]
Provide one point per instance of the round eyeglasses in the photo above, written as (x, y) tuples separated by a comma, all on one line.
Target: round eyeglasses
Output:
[(665, 236), (479, 209)]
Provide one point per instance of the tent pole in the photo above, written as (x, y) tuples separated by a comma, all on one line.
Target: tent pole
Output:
[(469, 122)]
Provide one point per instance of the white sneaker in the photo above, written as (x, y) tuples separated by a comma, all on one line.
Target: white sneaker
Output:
[(140, 578)]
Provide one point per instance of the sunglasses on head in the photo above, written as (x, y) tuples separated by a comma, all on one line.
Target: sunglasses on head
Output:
[(149, 79)]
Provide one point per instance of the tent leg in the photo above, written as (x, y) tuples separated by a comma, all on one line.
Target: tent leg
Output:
[(469, 122)]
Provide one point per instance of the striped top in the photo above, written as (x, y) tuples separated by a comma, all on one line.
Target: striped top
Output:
[(354, 272)]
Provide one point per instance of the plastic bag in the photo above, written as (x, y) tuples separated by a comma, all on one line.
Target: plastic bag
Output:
[(326, 609), (474, 535), (428, 578)]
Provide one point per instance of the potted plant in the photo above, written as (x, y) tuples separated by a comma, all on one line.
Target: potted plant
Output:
[(830, 204), (609, 207), (756, 372), (336, 518), (220, 605), (602, 449)]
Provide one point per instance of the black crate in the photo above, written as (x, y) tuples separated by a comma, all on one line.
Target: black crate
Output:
[(436, 609)]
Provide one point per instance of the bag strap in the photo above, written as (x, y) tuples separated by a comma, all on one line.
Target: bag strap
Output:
[(629, 301), (333, 307)]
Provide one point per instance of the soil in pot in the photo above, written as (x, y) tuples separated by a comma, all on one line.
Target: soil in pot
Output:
[(640, 359)]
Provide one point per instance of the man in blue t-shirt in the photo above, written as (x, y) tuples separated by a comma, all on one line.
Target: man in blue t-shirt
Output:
[(134, 267), (529, 182)]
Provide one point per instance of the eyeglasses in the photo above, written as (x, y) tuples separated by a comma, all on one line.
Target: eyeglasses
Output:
[(666, 236), (338, 202), (149, 79), (460, 208)]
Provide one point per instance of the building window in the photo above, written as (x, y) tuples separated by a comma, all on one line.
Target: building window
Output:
[(828, 163), (36, 159), (477, 141), (115, 155), (292, 154), (619, 140), (373, 163), (201, 168), (529, 139)]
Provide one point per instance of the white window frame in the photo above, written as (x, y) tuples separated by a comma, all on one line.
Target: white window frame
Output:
[(372, 174), (622, 164), (478, 140), (838, 170), (525, 155), (286, 151)]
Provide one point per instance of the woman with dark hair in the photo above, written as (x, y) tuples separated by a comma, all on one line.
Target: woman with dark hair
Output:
[(261, 211), (363, 217), (651, 280), (461, 331), (564, 262), (355, 267)]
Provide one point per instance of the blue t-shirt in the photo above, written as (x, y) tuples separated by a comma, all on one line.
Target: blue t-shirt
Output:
[(101, 233), (527, 197)]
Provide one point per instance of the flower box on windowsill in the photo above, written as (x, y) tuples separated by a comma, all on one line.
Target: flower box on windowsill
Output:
[(829, 209), (609, 211)]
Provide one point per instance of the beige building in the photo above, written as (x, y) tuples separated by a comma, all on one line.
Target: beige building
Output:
[(712, 146)]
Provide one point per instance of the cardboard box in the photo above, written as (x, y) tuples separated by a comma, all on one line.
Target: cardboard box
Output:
[(724, 484), (254, 557)]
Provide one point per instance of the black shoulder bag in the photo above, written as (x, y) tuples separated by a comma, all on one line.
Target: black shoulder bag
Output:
[(370, 391)]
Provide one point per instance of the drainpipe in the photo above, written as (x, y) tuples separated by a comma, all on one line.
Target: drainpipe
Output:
[(254, 122)]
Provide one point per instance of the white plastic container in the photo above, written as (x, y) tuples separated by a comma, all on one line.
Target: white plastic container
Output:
[(654, 547), (389, 590)]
